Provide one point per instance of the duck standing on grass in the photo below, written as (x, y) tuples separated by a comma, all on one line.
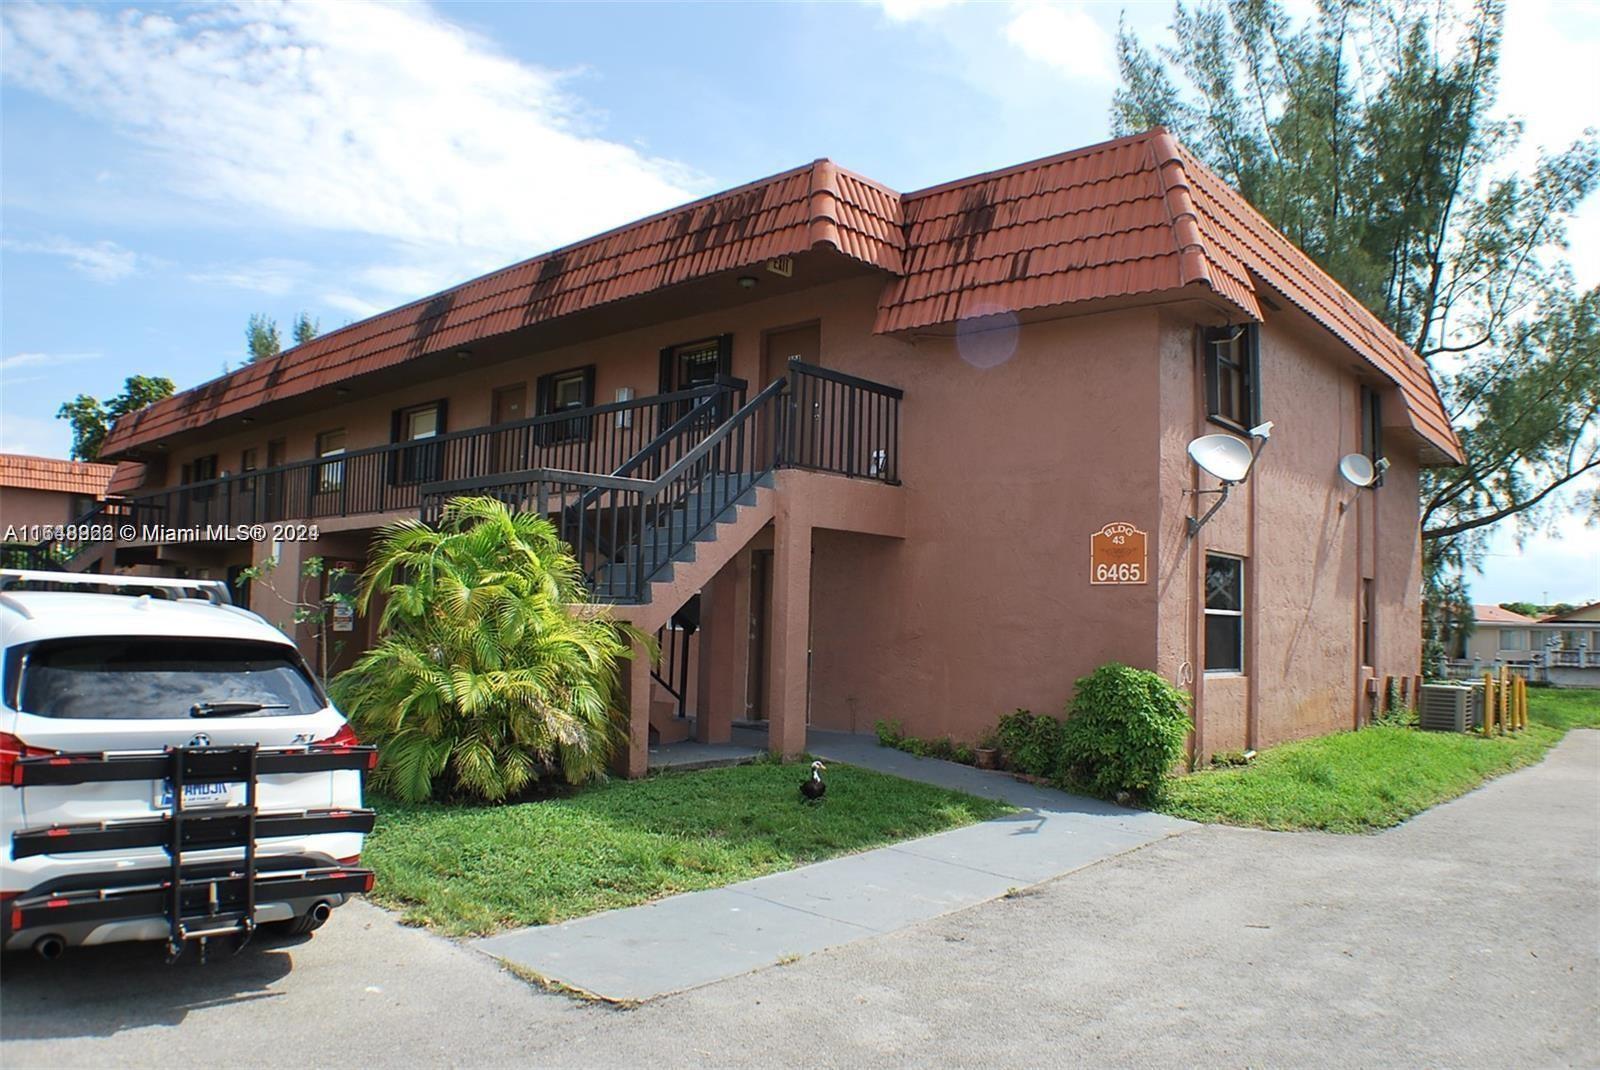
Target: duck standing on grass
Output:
[(812, 790)]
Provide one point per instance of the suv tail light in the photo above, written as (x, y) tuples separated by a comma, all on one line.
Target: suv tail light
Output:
[(11, 749), (344, 739)]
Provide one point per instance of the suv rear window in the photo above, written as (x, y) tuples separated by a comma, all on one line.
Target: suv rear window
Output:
[(141, 678)]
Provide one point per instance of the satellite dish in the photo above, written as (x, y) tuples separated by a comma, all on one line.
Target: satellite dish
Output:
[(1358, 470), (1223, 456)]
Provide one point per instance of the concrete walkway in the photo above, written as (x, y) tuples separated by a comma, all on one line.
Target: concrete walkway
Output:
[(1465, 937), (688, 940)]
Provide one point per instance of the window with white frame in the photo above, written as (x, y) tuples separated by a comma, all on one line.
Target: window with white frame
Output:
[(330, 476), (1224, 632), (1513, 638)]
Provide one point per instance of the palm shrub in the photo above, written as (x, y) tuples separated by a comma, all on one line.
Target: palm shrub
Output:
[(1126, 731), (488, 673)]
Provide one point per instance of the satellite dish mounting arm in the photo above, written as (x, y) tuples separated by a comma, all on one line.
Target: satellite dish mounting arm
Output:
[(1222, 496), (1259, 435)]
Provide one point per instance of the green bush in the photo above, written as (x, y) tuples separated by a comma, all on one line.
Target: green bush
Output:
[(1126, 732), (889, 733), (1030, 742)]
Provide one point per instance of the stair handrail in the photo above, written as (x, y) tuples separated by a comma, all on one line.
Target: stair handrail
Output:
[(703, 409)]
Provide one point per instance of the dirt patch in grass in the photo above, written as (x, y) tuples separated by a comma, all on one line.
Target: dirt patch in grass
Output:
[(465, 869)]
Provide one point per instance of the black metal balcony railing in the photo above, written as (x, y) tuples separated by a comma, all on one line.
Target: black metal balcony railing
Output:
[(626, 530), (842, 423), (628, 484), (388, 479)]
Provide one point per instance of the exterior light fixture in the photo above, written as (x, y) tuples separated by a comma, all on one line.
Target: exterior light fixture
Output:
[(1230, 460), (748, 282), (341, 391), (463, 354)]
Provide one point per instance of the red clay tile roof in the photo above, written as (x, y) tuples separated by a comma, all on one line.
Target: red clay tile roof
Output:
[(52, 473), (1126, 218), (1094, 223), (1139, 215), (1231, 226), (1497, 615), (129, 476), (818, 204)]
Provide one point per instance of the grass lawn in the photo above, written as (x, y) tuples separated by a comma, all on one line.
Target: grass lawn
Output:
[(1373, 778), (463, 869)]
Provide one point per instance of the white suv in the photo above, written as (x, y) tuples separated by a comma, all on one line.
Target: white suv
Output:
[(169, 769)]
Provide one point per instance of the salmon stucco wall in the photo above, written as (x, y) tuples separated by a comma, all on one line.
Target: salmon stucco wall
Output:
[(1307, 537), (25, 507), (1017, 443)]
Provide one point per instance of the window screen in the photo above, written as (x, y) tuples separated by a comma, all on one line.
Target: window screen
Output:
[(1224, 639)]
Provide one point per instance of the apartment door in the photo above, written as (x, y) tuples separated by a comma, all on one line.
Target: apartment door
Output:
[(509, 405), (802, 430)]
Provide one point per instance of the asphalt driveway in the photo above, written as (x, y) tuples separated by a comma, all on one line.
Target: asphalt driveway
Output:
[(1468, 936)]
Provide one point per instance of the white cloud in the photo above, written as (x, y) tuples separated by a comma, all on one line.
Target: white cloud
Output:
[(1065, 39), (272, 275), (912, 10), (40, 360), (349, 117), (1561, 564), (356, 306), (1549, 79), (34, 436), (102, 261)]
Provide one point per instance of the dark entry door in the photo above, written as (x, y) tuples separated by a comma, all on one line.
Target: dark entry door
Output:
[(509, 405), (803, 432)]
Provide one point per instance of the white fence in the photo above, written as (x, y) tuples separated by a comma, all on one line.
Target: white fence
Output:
[(1546, 666)]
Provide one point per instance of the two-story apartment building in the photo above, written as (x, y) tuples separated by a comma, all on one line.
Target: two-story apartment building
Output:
[(916, 456)]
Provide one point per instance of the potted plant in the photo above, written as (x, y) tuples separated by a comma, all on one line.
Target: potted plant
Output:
[(986, 755)]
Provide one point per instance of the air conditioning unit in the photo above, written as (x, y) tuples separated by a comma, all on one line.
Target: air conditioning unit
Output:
[(1450, 707)]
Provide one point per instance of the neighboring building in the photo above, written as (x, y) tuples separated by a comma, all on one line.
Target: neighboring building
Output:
[(1562, 648), (1570, 643), (1499, 636), (47, 491), (900, 425)]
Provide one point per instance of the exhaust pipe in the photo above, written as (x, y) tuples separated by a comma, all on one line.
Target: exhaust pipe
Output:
[(49, 947), (320, 914)]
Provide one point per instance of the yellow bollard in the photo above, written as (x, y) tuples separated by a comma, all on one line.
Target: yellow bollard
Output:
[(1505, 699), (1522, 702), (1488, 703)]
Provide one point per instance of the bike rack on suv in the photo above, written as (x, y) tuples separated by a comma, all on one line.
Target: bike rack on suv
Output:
[(199, 902)]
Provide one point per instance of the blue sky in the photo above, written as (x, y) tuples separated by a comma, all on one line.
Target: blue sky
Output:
[(167, 171)]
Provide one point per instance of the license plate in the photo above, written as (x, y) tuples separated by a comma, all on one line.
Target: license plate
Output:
[(195, 795)]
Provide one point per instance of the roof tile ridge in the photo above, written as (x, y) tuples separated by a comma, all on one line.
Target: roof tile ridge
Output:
[(823, 204), (1193, 263)]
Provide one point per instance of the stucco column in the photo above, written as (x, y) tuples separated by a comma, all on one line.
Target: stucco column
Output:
[(724, 650), (791, 634), (737, 621), (711, 722), (633, 758), (275, 595)]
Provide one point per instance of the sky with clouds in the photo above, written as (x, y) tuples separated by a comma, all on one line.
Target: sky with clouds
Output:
[(169, 170)]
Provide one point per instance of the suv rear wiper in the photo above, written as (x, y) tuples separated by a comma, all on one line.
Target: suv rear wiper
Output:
[(226, 709)]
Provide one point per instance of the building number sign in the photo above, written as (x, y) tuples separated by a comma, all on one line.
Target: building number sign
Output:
[(1117, 555)]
